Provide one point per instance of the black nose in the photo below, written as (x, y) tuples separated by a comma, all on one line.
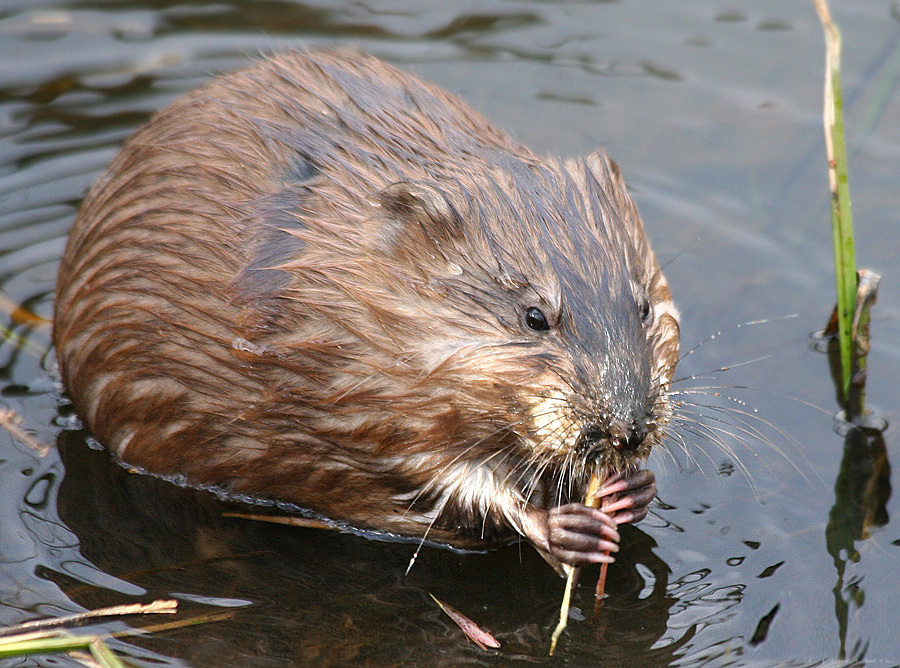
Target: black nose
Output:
[(628, 439), (594, 437)]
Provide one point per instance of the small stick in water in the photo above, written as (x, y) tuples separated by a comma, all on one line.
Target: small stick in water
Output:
[(163, 606), (600, 591), (572, 571)]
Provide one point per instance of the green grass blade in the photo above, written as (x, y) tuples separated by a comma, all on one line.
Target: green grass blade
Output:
[(841, 218), (13, 647), (29, 645)]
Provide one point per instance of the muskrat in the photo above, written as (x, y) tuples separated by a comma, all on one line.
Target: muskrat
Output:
[(325, 282)]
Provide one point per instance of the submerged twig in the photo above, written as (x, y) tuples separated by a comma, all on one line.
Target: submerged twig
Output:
[(290, 520), (600, 590)]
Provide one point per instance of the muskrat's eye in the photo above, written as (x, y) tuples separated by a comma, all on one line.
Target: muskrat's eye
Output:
[(536, 320)]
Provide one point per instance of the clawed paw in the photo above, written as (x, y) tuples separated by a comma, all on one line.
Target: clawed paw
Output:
[(627, 499), (579, 535)]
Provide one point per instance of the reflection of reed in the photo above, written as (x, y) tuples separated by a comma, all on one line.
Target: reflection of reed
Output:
[(861, 494), (863, 485)]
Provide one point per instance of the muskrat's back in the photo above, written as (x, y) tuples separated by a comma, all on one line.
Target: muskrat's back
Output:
[(323, 281)]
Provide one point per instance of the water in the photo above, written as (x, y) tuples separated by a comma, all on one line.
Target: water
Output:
[(713, 111)]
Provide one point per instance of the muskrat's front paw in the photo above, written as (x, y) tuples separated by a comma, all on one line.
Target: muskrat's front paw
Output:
[(579, 535), (627, 499)]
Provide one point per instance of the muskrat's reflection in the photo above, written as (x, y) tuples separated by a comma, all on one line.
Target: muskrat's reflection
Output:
[(302, 596)]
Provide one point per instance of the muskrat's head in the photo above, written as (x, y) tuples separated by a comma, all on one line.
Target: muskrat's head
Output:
[(516, 317)]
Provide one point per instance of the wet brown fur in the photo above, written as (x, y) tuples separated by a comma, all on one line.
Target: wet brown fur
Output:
[(305, 281)]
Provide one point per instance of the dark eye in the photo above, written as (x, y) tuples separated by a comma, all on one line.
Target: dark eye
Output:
[(645, 309), (536, 320)]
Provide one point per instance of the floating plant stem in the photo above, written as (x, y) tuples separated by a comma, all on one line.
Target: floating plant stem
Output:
[(47, 636), (99, 649)]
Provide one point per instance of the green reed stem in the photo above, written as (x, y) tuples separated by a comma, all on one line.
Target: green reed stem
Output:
[(841, 219)]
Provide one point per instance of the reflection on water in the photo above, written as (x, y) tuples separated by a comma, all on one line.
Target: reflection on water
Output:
[(861, 492), (787, 556), (292, 591)]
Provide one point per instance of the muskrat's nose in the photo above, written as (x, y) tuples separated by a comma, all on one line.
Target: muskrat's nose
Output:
[(630, 437), (594, 437)]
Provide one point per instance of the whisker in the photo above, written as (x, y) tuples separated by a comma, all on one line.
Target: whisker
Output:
[(753, 413), (733, 328), (709, 373), (415, 555), (681, 442), (744, 415), (705, 432), (716, 436)]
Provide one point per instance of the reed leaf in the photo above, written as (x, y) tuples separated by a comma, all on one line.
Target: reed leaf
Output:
[(841, 218)]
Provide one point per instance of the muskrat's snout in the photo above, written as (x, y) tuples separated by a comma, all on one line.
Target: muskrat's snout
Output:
[(594, 438)]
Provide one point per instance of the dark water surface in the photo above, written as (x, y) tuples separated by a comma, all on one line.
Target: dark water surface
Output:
[(712, 108)]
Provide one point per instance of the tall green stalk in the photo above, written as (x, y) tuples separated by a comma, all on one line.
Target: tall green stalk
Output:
[(841, 219)]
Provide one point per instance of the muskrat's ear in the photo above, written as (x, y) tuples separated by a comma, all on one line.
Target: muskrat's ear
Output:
[(426, 209), (604, 169), (612, 193)]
